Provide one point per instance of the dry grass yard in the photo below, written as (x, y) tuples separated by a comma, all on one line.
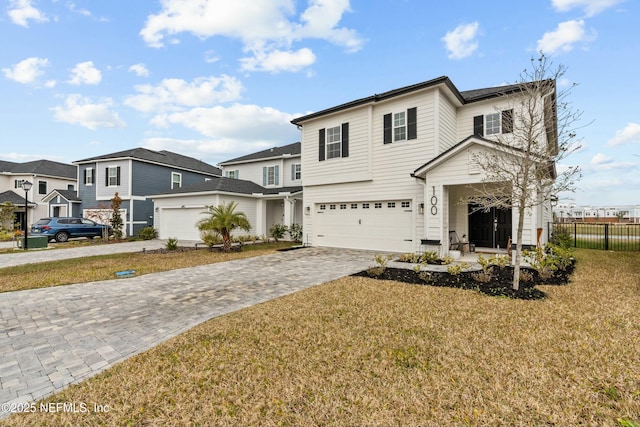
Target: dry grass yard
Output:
[(104, 267), (359, 351)]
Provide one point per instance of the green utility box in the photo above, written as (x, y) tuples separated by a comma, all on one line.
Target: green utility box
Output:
[(34, 242)]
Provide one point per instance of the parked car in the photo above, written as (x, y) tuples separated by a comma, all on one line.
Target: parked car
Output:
[(61, 229)]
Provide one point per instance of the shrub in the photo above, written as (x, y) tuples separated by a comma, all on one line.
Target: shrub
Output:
[(295, 232), (430, 257), (212, 238), (148, 233), (278, 231), (562, 238), (381, 261), (172, 243)]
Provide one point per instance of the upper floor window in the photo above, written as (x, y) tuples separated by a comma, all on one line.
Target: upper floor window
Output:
[(334, 142), (112, 176), (176, 180), (400, 126), (42, 187), (494, 123), (89, 176), (296, 172), (18, 183), (71, 187), (271, 175), (234, 174)]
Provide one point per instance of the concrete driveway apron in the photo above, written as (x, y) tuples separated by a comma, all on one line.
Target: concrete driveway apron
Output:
[(53, 337)]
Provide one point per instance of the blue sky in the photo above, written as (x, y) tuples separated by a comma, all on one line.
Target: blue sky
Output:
[(218, 79)]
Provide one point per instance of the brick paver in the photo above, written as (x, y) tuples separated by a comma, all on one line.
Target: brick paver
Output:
[(53, 337)]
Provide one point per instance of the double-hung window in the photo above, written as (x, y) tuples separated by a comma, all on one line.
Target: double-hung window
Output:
[(400, 126), (233, 174), (112, 176), (89, 176), (500, 122), (334, 142), (296, 172), (176, 180), (42, 187), (270, 175)]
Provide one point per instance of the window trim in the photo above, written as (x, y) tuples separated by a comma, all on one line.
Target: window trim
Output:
[(108, 178), (179, 182), (89, 176), (40, 183), (333, 148)]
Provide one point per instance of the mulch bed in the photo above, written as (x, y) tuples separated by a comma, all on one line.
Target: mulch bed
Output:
[(499, 284)]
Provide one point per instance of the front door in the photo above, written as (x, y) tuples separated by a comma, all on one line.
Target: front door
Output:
[(491, 229)]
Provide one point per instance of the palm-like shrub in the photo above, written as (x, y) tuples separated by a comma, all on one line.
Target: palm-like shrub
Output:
[(223, 219)]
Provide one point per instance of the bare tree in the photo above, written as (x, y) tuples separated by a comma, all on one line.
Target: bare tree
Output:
[(520, 168)]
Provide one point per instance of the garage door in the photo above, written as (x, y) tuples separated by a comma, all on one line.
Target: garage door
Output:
[(180, 223), (375, 225)]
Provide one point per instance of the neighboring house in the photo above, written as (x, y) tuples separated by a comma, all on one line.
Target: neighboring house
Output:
[(620, 213), (266, 185), (135, 174), (45, 175), (387, 171), (63, 203)]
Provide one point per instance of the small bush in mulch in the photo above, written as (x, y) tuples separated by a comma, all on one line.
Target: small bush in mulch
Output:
[(495, 281)]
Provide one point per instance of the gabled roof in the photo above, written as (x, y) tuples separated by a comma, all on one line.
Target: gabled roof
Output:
[(12, 197), (464, 97), (40, 167), (284, 151), (166, 158), (444, 80), (230, 185), (69, 195)]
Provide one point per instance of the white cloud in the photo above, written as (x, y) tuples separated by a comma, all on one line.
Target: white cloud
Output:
[(173, 94), (72, 7), (78, 110), (590, 7), (26, 71), (565, 36), (461, 42), (630, 134), (21, 11), (238, 122), (85, 73), (140, 70), (278, 60), (600, 159), (264, 26)]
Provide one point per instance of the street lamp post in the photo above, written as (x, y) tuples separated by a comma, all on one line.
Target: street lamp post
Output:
[(26, 186)]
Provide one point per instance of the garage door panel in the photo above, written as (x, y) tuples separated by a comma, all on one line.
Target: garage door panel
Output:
[(180, 223), (384, 228)]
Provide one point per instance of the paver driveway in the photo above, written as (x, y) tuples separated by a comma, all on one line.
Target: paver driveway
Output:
[(53, 337)]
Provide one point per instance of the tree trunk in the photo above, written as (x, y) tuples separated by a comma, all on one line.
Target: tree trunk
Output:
[(518, 261)]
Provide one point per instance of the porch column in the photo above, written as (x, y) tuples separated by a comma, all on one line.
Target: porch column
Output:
[(261, 218), (289, 205), (435, 215)]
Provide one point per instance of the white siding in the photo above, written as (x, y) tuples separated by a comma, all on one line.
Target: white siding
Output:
[(253, 171), (124, 189)]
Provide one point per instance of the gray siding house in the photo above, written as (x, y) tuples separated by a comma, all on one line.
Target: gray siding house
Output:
[(135, 174)]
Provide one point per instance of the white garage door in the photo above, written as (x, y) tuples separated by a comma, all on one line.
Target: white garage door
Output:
[(180, 223), (376, 225)]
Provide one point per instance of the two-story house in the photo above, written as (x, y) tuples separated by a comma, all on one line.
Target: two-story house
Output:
[(135, 174), (387, 172), (267, 185), (45, 176)]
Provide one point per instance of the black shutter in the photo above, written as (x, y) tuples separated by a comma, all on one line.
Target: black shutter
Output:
[(345, 140), (387, 128), (118, 175), (321, 151), (412, 127), (84, 176), (106, 177), (507, 121), (478, 125)]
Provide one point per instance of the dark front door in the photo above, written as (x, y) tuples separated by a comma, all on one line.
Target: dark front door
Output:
[(491, 229)]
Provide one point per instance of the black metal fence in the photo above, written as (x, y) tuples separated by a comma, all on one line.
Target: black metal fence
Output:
[(607, 236)]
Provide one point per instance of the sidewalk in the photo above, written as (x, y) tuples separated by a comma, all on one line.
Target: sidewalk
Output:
[(53, 254)]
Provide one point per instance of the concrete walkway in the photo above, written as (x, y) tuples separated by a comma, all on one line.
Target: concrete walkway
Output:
[(52, 254), (53, 337)]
